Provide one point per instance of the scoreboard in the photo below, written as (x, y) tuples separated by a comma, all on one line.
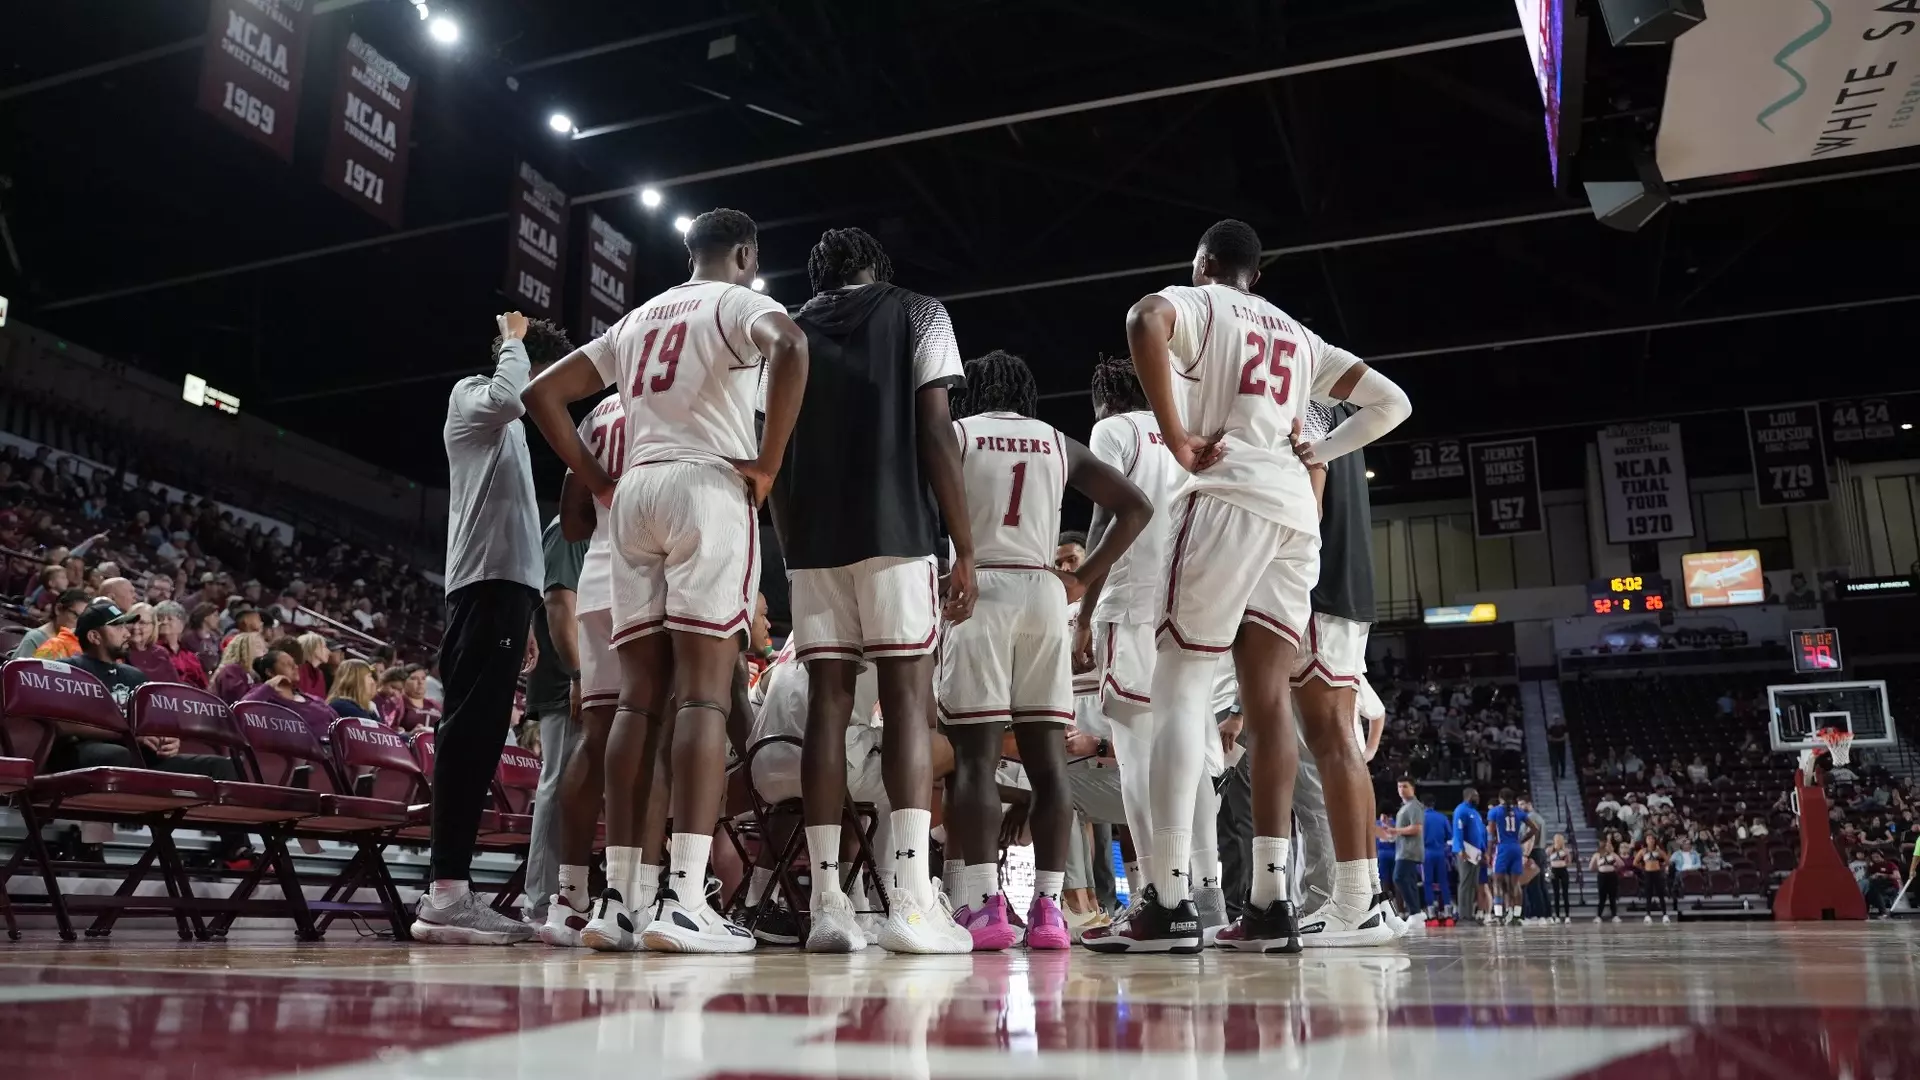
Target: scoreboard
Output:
[(1816, 650), (1628, 594)]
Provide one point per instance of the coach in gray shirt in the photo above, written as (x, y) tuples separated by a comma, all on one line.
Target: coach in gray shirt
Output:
[(494, 570), (1408, 851)]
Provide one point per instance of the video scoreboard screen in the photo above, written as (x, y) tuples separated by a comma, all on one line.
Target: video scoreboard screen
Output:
[(1628, 594), (1816, 650)]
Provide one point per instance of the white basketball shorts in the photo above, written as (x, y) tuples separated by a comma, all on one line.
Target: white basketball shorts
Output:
[(1229, 565), (1335, 652), (599, 667), (1125, 653), (1012, 661), (875, 609), (686, 551)]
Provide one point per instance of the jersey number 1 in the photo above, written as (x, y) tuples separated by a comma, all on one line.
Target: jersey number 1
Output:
[(1276, 358), (1012, 520), (676, 338)]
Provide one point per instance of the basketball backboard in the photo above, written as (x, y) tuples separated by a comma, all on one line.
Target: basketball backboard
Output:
[(1796, 711)]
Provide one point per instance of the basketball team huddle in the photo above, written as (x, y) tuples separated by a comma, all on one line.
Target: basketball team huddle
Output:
[(917, 503)]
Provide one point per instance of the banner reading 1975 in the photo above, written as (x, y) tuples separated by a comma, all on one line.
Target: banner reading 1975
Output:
[(250, 72), (537, 244)]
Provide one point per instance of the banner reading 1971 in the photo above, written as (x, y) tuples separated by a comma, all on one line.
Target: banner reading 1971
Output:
[(250, 72), (608, 275), (367, 135), (1506, 488), (1789, 456), (536, 246)]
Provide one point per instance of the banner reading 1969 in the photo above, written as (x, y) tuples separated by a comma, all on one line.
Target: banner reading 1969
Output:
[(537, 222), (250, 72), (1789, 456), (367, 135), (1506, 488)]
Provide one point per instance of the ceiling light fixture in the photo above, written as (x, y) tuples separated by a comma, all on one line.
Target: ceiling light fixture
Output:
[(759, 284), (649, 198), (683, 223), (443, 30)]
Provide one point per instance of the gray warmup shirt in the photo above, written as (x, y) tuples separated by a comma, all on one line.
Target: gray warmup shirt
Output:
[(1412, 812), (493, 521)]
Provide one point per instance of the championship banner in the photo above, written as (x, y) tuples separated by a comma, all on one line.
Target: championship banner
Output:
[(1789, 455), (1506, 488), (538, 224), (1643, 479), (250, 72), (367, 137), (608, 272), (1760, 85)]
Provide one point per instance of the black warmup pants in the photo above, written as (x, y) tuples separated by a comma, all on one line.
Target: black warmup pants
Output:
[(480, 658), (1609, 894), (1236, 836), (1653, 887), (1558, 754), (1561, 888)]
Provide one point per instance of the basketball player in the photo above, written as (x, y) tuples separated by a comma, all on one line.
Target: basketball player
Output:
[(1011, 663), (1116, 625), (1243, 561), (684, 536), (1511, 830), (859, 533)]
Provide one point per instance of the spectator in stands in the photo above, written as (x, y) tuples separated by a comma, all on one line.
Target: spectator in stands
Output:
[(315, 659), (390, 698), (1557, 746), (352, 694), (159, 589), (1685, 858), (1631, 766), (1659, 800), (279, 673), (1697, 772), (64, 613), (202, 635), (1607, 809), (1661, 781), (1610, 768), (1513, 742), (53, 582), (119, 590), (421, 711), (169, 623), (1725, 702), (1758, 828), (142, 652), (235, 675), (1711, 859)]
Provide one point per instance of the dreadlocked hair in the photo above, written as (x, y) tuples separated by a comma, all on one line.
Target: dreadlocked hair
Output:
[(1116, 386), (545, 342), (1000, 382), (842, 253)]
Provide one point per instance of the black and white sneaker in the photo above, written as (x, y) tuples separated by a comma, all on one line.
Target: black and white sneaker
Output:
[(1338, 925), (693, 928), (1148, 927), (1271, 929), (612, 927), (777, 926)]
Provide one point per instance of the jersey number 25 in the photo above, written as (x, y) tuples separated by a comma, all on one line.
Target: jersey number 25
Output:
[(1275, 356)]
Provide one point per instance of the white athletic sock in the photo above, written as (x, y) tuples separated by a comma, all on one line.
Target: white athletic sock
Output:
[(979, 881), (1049, 883), (622, 864), (757, 888), (1136, 878), (445, 891), (910, 841), (1353, 882), (687, 861), (1269, 869), (573, 886), (1499, 909), (642, 890), (1206, 868), (952, 883), (823, 847), (1170, 852)]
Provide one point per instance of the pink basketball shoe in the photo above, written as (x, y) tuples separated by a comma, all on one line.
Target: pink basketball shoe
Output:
[(1046, 926), (988, 924)]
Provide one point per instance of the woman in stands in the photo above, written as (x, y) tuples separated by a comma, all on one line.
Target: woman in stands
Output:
[(142, 653), (169, 624), (202, 636), (353, 687), (315, 658), (390, 699), (279, 673), (1605, 865), (235, 675), (421, 711)]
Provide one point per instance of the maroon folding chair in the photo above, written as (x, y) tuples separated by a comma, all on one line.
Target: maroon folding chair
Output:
[(41, 700), (378, 765), (16, 775), (515, 782), (202, 721)]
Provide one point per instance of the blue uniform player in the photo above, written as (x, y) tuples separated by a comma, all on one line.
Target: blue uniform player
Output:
[(1436, 840), (1512, 830), (1469, 849)]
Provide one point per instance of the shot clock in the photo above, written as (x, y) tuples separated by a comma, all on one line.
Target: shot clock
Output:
[(1816, 650), (1628, 594)]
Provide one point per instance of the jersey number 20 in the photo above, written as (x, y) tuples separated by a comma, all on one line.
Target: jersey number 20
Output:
[(1275, 357)]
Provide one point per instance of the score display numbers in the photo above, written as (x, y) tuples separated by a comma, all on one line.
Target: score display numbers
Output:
[(1628, 594), (1816, 650)]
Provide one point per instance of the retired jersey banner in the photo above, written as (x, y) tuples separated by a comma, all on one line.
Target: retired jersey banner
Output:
[(537, 244), (367, 136), (1765, 84), (1506, 488), (1643, 480), (608, 274), (1789, 455), (250, 72)]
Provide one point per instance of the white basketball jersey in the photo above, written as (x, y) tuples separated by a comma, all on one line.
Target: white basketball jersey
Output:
[(687, 372), (1015, 470), (605, 433), (1249, 369), (1131, 443)]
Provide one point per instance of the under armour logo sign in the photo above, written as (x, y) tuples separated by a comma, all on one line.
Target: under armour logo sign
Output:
[(829, 866), (506, 643), (1179, 873), (907, 854), (681, 874), (1273, 868)]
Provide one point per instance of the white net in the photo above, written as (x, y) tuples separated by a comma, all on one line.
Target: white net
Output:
[(1839, 744)]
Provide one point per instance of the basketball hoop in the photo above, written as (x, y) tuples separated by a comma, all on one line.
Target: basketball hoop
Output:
[(1838, 741)]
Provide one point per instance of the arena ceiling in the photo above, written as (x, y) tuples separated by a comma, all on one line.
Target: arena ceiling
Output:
[(1411, 192)]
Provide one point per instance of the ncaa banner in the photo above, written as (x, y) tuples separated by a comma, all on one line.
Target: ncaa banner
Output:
[(1506, 488), (537, 228), (1643, 480), (250, 72), (608, 274), (1789, 454), (367, 137), (1764, 84)]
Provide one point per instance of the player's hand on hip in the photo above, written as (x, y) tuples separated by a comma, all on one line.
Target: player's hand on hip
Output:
[(759, 479), (513, 325), (1196, 453), (1082, 648), (1072, 583), (1304, 448), (960, 591)]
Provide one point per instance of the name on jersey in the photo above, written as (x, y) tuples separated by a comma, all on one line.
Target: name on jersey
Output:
[(1013, 446), (1263, 319), (671, 311)]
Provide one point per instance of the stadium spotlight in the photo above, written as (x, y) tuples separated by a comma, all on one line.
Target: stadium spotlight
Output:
[(561, 123), (682, 223), (759, 284), (649, 198), (420, 8), (1906, 427), (1369, 474), (443, 30)]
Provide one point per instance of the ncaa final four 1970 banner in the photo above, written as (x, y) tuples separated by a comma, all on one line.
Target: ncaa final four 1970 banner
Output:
[(536, 245), (1643, 479), (250, 72)]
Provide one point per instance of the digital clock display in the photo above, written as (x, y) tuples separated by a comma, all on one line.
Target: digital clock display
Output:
[(1628, 594), (1816, 650)]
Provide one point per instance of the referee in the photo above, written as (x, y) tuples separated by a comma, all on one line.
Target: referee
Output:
[(494, 573)]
